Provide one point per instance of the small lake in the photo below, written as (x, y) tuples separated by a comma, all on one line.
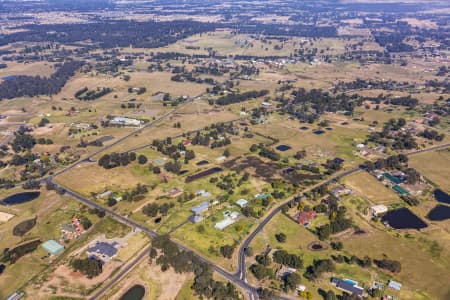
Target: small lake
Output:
[(136, 292), (202, 163), (441, 196), (20, 198), (403, 218), (283, 148), (439, 213), (318, 131)]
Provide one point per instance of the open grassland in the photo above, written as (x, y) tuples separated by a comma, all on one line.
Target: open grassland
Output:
[(435, 166), (28, 69), (337, 142), (424, 273), (369, 187)]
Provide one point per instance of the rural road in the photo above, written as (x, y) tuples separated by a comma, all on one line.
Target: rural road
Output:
[(239, 278)]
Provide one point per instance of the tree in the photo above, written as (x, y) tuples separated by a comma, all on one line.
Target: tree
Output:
[(281, 237), (111, 201), (324, 232), (142, 159), (85, 222), (87, 266), (330, 295), (227, 251), (151, 209), (291, 281), (43, 122)]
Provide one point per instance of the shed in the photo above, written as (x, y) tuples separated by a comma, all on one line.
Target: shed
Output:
[(200, 208), (378, 209), (196, 219), (224, 223), (53, 247), (242, 202), (395, 285)]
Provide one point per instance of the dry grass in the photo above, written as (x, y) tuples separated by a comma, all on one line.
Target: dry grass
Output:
[(435, 166), (369, 187)]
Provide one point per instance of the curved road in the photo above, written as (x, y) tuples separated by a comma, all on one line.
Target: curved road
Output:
[(239, 278)]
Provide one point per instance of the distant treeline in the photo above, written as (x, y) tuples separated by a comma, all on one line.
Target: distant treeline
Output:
[(30, 86), (236, 98), (288, 30), (111, 34)]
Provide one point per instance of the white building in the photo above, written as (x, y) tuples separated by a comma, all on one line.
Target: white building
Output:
[(379, 209), (123, 121), (242, 203)]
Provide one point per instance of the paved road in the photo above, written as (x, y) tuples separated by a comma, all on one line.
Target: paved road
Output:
[(122, 273), (239, 278), (241, 273)]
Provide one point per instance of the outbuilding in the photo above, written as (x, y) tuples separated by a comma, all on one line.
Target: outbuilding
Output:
[(242, 203), (379, 209), (53, 247)]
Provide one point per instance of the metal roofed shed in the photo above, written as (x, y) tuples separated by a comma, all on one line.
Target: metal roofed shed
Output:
[(400, 190), (242, 203), (53, 247), (224, 223), (378, 209), (202, 207), (395, 285)]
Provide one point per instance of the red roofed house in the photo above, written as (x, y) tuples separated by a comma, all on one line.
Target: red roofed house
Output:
[(187, 142), (304, 217)]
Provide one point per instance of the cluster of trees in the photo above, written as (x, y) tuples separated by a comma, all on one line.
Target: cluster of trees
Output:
[(319, 267), (432, 134), (89, 95), (22, 140), (185, 261), (30, 86), (338, 221), (265, 152), (114, 159), (12, 255), (153, 209), (135, 194), (227, 251), (364, 262), (393, 137), (166, 147), (392, 162), (87, 266), (391, 265), (278, 29), (241, 97), (287, 259), (307, 106)]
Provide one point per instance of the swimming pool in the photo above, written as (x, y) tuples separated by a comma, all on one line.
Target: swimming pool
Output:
[(351, 282)]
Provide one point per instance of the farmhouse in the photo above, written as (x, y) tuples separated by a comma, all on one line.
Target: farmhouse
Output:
[(53, 247), (103, 250), (305, 217), (348, 286)]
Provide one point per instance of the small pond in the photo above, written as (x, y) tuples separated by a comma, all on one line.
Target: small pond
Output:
[(439, 213), (403, 218), (441, 196), (20, 198), (318, 131), (183, 172), (304, 128), (317, 246), (202, 163), (136, 292), (283, 148), (329, 128)]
